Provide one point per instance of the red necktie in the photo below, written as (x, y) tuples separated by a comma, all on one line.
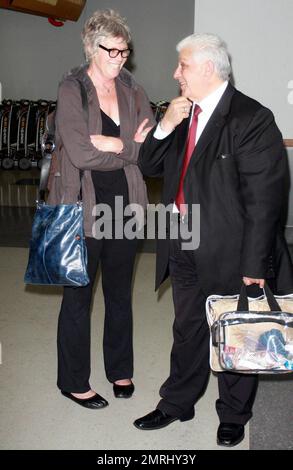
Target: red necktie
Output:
[(188, 152)]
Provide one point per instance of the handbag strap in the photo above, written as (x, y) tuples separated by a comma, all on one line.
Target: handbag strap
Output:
[(48, 145), (243, 305)]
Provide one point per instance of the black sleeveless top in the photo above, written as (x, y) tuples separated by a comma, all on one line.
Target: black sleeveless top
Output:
[(109, 184)]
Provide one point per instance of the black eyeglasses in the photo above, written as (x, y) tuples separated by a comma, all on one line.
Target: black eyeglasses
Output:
[(115, 52)]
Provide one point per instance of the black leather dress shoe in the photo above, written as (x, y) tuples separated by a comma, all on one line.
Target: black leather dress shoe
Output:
[(230, 434), (123, 391), (94, 403), (157, 419)]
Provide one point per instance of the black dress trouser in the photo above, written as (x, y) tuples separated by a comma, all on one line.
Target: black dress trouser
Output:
[(117, 259), (189, 371)]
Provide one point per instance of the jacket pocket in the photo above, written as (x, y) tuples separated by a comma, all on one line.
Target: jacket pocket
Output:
[(224, 156)]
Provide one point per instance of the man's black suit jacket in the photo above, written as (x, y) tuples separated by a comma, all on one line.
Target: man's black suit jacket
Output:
[(238, 175)]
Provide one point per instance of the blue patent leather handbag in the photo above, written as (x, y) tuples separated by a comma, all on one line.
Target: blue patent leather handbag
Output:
[(57, 254)]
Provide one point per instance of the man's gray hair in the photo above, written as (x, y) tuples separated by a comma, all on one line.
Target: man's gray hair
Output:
[(209, 47), (103, 24)]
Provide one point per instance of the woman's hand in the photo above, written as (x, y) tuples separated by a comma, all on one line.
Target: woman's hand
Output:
[(107, 144), (142, 131)]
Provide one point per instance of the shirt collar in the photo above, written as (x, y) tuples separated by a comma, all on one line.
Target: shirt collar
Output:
[(209, 103)]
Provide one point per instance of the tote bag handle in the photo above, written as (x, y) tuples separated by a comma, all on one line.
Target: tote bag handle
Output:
[(243, 305)]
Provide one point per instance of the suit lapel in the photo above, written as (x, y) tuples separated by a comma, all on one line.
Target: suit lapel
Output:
[(181, 135), (212, 129), (214, 125)]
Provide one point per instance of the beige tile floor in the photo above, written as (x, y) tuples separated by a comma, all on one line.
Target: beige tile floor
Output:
[(34, 415)]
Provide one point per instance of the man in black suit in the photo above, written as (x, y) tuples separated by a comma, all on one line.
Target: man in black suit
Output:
[(222, 150)]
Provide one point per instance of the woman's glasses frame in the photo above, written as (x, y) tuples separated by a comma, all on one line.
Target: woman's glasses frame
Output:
[(115, 52)]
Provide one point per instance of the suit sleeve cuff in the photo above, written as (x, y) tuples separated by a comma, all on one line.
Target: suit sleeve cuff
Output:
[(160, 134)]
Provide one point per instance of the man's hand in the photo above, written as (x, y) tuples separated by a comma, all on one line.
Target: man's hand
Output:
[(248, 281), (142, 131), (107, 144), (178, 109)]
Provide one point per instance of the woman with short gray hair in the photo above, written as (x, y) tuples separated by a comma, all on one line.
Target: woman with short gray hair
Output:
[(102, 142), (100, 25)]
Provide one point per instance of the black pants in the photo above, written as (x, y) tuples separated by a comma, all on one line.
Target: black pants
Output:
[(190, 369), (117, 260)]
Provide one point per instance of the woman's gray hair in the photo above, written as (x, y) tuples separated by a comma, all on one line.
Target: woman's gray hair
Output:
[(209, 47), (103, 24)]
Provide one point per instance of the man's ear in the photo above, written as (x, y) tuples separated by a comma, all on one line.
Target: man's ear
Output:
[(209, 68)]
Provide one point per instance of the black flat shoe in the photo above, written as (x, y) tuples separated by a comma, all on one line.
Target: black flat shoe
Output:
[(123, 391), (94, 403), (230, 434), (157, 419)]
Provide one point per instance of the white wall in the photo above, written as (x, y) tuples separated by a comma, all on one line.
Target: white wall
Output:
[(34, 55), (259, 35)]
